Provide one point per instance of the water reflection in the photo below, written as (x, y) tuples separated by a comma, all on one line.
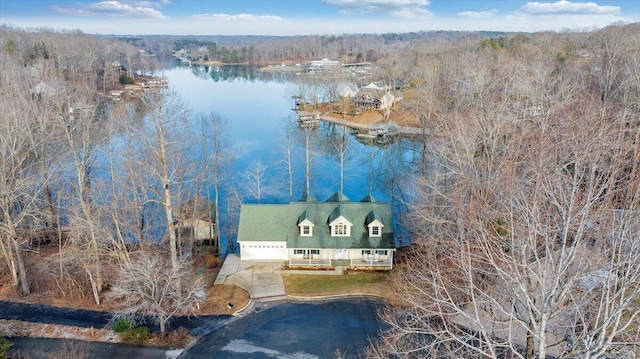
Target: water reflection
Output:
[(238, 72)]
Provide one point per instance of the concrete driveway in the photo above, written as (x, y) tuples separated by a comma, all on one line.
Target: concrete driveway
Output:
[(263, 280)]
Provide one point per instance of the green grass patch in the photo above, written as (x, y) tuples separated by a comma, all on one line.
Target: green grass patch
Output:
[(355, 282)]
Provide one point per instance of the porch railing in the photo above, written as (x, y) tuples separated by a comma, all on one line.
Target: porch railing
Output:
[(371, 262), (312, 262), (309, 262)]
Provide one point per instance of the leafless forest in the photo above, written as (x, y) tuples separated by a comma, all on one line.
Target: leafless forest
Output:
[(526, 219), (524, 213)]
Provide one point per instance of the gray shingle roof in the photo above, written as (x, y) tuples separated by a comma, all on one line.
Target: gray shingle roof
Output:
[(337, 212), (369, 198), (279, 222), (371, 216)]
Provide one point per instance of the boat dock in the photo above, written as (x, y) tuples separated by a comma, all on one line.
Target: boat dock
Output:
[(308, 119)]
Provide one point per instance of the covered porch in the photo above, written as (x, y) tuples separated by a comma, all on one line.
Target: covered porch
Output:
[(331, 258)]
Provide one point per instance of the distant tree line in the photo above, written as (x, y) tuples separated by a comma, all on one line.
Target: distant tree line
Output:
[(275, 49)]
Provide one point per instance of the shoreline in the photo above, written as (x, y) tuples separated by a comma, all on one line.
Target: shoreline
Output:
[(404, 131)]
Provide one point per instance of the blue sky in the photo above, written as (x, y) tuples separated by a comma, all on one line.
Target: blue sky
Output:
[(304, 17)]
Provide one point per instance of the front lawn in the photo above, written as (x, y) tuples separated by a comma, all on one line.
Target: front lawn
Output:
[(376, 283)]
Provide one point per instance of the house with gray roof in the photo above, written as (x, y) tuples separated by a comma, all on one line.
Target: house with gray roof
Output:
[(373, 99), (324, 234)]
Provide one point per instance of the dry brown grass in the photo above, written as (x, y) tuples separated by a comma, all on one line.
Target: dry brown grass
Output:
[(46, 291), (219, 295), (17, 328), (398, 115), (216, 303)]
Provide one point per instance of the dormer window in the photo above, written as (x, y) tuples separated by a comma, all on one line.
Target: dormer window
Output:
[(339, 224), (375, 225), (306, 228), (340, 229), (375, 231)]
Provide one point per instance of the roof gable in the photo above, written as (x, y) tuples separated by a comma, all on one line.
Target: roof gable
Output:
[(338, 197), (378, 85), (304, 218), (308, 198), (368, 93), (372, 217), (375, 222), (335, 214), (369, 198), (340, 219), (347, 90), (306, 222)]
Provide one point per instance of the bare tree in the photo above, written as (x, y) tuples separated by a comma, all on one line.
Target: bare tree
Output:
[(20, 182), (217, 159), (81, 131), (542, 264), (308, 141), (254, 179), (163, 153), (286, 141), (152, 285), (308, 90), (132, 197), (338, 145), (329, 83)]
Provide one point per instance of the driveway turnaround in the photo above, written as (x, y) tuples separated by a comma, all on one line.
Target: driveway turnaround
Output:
[(294, 330)]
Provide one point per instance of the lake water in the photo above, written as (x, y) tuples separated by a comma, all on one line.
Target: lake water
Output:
[(257, 106)]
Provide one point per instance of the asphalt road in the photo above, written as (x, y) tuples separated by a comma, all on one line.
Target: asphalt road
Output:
[(36, 348), (294, 330), (269, 330), (89, 318), (42, 348)]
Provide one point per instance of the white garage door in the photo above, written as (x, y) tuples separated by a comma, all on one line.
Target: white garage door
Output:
[(261, 251)]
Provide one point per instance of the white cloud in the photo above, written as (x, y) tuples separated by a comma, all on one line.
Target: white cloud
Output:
[(411, 13), (238, 17), (158, 4), (478, 14), (115, 9), (564, 7), (395, 8)]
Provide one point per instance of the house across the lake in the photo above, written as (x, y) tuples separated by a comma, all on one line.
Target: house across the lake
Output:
[(373, 99), (311, 233), (324, 63)]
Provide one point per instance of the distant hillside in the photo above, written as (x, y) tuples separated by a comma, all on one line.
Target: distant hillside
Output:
[(275, 49)]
